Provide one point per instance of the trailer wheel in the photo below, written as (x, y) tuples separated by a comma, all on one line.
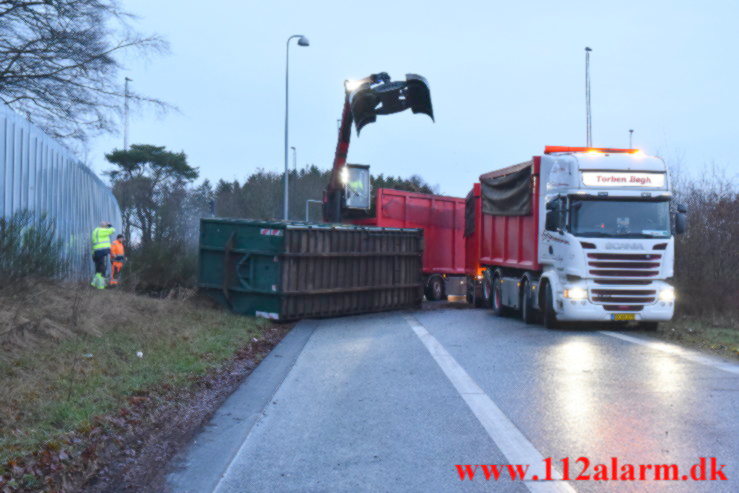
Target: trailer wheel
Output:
[(487, 289), (527, 312), (496, 297), (435, 290), (550, 316)]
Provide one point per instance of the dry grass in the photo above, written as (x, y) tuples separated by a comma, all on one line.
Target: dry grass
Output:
[(68, 353)]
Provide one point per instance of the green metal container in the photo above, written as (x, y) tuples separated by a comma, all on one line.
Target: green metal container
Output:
[(288, 271)]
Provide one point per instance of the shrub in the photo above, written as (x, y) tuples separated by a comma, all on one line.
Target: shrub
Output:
[(157, 268), (29, 248), (707, 259)]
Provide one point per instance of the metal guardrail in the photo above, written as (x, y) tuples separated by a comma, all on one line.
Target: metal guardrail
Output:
[(39, 174)]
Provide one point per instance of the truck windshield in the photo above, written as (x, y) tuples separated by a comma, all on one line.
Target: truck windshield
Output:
[(620, 218)]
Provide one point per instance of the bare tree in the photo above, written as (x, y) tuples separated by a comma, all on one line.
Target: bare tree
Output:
[(59, 63)]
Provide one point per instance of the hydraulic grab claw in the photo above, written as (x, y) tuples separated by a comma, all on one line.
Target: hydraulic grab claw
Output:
[(363, 101), (378, 95)]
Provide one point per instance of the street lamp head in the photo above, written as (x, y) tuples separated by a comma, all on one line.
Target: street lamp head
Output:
[(587, 48), (303, 41)]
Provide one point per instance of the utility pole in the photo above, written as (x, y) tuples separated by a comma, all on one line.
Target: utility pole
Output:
[(631, 140), (125, 114), (295, 158), (588, 120)]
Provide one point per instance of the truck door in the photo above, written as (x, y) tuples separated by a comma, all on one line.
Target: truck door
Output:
[(554, 242)]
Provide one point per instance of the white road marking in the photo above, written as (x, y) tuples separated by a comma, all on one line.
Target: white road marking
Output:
[(678, 351), (514, 445)]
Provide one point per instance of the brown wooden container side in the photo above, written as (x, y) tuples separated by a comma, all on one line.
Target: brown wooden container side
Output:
[(341, 272)]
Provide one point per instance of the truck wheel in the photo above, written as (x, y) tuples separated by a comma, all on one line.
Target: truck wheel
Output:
[(496, 297), (487, 289), (550, 316), (435, 289), (527, 311)]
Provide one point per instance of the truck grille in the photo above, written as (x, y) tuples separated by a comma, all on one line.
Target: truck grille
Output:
[(624, 295), (631, 282), (615, 265), (624, 308), (625, 256)]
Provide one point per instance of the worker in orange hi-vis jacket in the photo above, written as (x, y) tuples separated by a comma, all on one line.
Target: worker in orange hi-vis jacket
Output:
[(117, 258)]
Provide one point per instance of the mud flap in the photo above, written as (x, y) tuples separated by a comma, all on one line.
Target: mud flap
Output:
[(378, 95)]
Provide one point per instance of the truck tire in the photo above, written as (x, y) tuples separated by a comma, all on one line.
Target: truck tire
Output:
[(487, 289), (496, 297), (527, 311), (550, 316), (476, 301), (435, 289)]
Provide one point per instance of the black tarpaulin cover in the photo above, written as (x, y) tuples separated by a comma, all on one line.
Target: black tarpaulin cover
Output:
[(509, 194)]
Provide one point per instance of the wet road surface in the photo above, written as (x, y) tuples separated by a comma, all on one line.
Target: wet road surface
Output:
[(393, 402)]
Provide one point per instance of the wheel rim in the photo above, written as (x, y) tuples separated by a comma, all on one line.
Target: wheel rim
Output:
[(497, 294), (437, 289)]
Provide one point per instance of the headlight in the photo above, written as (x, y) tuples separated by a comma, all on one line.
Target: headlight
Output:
[(576, 293), (667, 294)]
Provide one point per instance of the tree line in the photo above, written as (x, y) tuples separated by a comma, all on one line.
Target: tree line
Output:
[(161, 206)]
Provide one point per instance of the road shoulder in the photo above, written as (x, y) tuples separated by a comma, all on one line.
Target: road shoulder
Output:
[(199, 467)]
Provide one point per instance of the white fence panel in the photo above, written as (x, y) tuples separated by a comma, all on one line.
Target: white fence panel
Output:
[(39, 174)]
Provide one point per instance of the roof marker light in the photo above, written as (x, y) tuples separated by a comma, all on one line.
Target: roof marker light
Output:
[(555, 149)]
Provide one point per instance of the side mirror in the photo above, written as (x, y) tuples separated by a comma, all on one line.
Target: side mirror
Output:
[(551, 222), (682, 208), (681, 222), (550, 206)]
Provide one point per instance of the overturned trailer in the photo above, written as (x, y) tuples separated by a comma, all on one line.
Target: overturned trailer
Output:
[(288, 271)]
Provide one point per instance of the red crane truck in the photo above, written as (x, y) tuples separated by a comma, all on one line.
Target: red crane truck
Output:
[(578, 234), (442, 221)]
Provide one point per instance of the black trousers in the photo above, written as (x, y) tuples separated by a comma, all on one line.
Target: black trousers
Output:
[(100, 257)]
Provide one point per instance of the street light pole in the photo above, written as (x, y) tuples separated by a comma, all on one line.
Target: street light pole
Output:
[(631, 140), (125, 114), (588, 120), (302, 41)]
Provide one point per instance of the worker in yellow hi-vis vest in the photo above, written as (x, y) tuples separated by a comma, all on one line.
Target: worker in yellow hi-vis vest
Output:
[(100, 252)]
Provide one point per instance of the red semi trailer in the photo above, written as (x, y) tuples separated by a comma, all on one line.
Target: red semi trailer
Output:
[(442, 220), (502, 241)]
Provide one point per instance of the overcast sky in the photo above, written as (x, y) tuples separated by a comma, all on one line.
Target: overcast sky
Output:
[(507, 78)]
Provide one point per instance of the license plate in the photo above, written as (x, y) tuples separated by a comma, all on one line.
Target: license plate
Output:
[(622, 317)]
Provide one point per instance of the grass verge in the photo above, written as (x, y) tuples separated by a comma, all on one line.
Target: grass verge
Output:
[(83, 354), (718, 334)]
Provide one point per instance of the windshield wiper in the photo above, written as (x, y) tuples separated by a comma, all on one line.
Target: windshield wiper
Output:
[(600, 234)]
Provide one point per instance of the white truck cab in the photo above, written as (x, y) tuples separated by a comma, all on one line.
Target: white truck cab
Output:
[(606, 243)]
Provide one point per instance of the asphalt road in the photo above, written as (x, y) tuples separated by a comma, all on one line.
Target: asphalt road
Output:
[(393, 402)]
